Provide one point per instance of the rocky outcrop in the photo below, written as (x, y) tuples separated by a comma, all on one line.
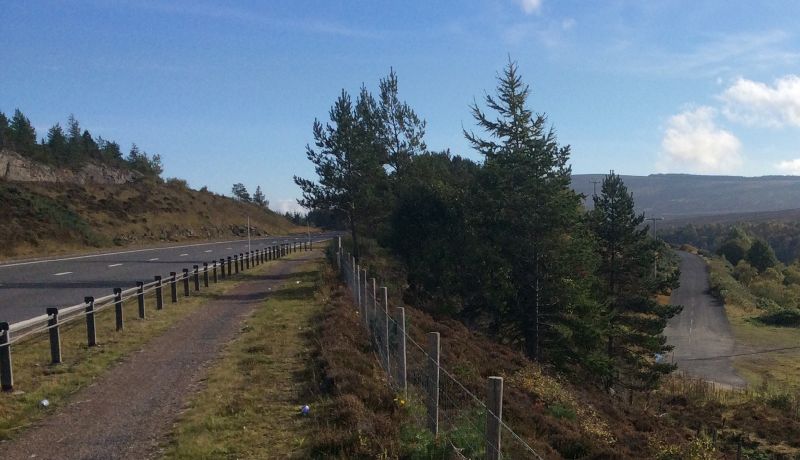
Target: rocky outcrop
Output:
[(16, 168)]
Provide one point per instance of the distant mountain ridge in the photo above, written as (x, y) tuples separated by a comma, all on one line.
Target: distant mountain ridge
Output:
[(674, 196)]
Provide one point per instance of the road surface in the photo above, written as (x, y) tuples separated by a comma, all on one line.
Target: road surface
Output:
[(28, 288), (701, 333)]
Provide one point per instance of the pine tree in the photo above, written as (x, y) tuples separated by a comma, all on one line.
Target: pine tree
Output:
[(4, 134), (57, 143), (22, 134), (529, 216), (403, 131), (240, 192), (636, 321), (348, 160), (258, 197)]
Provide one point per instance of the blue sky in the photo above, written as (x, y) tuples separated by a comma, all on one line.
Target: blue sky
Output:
[(227, 92)]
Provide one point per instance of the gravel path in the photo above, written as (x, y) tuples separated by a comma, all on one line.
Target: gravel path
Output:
[(701, 334), (129, 411)]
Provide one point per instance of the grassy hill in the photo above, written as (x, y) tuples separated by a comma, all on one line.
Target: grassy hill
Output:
[(38, 218), (682, 195)]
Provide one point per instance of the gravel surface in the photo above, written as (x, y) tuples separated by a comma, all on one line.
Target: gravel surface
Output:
[(129, 412), (701, 333)]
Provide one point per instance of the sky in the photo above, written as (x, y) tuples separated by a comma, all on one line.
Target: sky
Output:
[(227, 92)]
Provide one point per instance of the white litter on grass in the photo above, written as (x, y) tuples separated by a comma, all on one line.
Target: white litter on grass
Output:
[(297, 282), (44, 403), (305, 410)]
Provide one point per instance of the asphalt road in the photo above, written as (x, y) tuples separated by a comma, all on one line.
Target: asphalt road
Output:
[(28, 288), (701, 333)]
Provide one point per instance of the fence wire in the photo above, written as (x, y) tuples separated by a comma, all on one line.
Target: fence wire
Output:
[(462, 417)]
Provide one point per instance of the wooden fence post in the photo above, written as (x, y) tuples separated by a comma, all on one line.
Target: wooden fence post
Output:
[(205, 274), (91, 333), (159, 294), (118, 308), (173, 289), (433, 382), (6, 371), (140, 298), (55, 335), (196, 273), (186, 282), (494, 417)]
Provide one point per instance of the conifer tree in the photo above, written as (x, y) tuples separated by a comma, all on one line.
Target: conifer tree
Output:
[(3, 130), (259, 198), (57, 143), (542, 259), (402, 131), (349, 161), (635, 339), (22, 133)]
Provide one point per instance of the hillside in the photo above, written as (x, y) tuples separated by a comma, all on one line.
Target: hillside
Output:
[(66, 211), (681, 195)]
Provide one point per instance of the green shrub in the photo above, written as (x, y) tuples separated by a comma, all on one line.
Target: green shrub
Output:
[(782, 317)]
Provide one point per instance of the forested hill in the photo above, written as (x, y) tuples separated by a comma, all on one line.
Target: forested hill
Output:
[(681, 195)]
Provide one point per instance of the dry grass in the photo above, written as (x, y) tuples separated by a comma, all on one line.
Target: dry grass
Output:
[(49, 219), (36, 379)]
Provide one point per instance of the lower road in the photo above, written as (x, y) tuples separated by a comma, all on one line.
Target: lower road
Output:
[(701, 333), (28, 288)]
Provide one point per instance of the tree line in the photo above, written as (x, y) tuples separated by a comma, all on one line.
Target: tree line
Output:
[(504, 245), (72, 147)]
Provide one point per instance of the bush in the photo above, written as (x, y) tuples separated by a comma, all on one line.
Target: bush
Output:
[(782, 317)]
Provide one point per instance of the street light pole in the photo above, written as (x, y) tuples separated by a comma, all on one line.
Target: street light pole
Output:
[(655, 259)]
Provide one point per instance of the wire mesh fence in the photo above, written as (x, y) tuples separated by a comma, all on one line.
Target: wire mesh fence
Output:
[(461, 423)]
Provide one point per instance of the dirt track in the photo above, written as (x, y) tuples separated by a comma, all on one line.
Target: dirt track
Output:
[(129, 411), (701, 334)]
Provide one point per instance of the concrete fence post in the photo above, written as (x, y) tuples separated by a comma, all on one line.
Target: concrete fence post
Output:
[(118, 308), (365, 301), (339, 245), (433, 382), (400, 349), (196, 273), (173, 287), (374, 316), (205, 274), (214, 271), (6, 371), (357, 287), (140, 298), (385, 331), (159, 294), (494, 417), (91, 333), (186, 282), (339, 260), (55, 335)]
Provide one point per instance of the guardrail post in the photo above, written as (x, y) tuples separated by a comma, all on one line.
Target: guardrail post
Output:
[(118, 308), (196, 271), (6, 371), (186, 282), (494, 416), (159, 294), (140, 297), (400, 337), (173, 285), (433, 382), (91, 333), (236, 263), (205, 274), (55, 335), (229, 266)]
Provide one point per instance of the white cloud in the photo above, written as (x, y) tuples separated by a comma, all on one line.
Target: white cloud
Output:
[(283, 206), (791, 167), (530, 6), (568, 24), (694, 143), (756, 103)]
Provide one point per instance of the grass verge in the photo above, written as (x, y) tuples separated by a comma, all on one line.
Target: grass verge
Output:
[(35, 379)]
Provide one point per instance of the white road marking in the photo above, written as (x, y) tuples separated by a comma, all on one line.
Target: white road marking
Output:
[(154, 258), (228, 249), (183, 255), (91, 256), (62, 273), (114, 265), (210, 250)]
